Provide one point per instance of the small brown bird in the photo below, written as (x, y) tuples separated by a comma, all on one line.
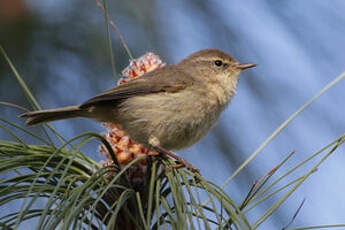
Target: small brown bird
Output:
[(167, 109)]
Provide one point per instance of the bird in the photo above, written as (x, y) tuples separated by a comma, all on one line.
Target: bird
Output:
[(167, 109)]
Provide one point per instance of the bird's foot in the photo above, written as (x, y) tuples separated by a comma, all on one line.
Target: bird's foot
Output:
[(183, 163)]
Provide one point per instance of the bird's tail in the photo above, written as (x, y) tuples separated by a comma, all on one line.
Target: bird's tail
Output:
[(43, 116)]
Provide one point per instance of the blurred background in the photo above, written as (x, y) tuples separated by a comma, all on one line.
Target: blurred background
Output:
[(59, 48)]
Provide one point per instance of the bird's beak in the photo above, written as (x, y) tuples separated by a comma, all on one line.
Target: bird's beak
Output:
[(245, 66)]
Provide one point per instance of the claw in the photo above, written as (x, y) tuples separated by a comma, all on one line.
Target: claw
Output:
[(183, 162)]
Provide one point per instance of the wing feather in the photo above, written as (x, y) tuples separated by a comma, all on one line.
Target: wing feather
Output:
[(166, 79)]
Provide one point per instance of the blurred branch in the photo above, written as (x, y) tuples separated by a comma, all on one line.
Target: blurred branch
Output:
[(109, 43), (295, 215), (116, 29), (14, 106), (21, 82)]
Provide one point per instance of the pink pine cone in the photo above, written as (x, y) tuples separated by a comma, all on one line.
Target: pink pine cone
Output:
[(123, 146)]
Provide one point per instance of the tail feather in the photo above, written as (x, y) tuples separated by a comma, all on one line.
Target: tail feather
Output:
[(43, 116)]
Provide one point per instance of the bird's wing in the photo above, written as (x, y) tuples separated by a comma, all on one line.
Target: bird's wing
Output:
[(167, 79)]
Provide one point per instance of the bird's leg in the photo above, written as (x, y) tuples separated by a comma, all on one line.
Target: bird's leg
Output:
[(183, 162), (155, 143)]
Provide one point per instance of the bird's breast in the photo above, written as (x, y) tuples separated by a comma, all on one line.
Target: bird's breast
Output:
[(178, 120)]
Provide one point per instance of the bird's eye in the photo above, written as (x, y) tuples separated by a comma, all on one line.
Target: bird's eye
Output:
[(218, 63)]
